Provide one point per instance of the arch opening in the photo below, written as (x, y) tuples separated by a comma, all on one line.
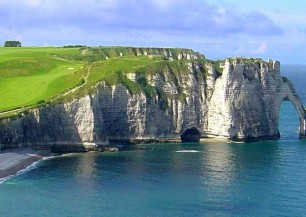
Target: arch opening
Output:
[(191, 135), (289, 120)]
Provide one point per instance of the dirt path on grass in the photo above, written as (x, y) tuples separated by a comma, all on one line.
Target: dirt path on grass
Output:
[(78, 87)]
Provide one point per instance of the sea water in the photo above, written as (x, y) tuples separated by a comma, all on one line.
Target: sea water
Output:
[(197, 179)]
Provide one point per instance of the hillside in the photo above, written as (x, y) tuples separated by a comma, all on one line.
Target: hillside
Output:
[(33, 76), (29, 76)]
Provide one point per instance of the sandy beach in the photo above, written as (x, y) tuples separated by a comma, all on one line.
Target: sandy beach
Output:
[(12, 161)]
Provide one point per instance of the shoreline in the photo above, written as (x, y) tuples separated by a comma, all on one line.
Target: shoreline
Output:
[(13, 161)]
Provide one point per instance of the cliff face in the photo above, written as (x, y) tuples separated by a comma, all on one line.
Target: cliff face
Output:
[(247, 99), (77, 122), (241, 104)]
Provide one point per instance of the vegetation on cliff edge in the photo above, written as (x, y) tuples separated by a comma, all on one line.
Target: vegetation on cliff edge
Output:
[(35, 76)]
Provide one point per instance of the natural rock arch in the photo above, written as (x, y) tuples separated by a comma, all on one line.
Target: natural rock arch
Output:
[(288, 123), (290, 95)]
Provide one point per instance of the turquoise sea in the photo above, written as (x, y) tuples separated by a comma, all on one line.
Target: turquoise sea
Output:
[(214, 179)]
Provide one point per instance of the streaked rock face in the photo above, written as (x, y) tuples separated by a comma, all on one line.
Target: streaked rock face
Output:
[(241, 104)]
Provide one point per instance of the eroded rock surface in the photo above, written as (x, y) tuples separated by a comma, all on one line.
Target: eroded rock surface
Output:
[(242, 103)]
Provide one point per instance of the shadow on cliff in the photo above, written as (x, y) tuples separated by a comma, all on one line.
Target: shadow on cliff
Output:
[(113, 107), (43, 127), (53, 125)]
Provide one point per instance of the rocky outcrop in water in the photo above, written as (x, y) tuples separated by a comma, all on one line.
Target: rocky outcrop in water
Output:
[(242, 103)]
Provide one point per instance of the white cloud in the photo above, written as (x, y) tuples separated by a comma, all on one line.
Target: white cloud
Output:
[(263, 47), (33, 3), (218, 30)]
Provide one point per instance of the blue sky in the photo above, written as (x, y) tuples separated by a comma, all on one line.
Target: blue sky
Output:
[(219, 29)]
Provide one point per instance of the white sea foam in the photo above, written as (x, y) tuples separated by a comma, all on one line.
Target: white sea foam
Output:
[(187, 151), (30, 167), (27, 169), (235, 142), (6, 178)]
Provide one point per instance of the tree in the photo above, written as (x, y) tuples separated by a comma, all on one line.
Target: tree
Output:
[(12, 44)]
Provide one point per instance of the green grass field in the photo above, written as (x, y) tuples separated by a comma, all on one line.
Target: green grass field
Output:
[(32, 76)]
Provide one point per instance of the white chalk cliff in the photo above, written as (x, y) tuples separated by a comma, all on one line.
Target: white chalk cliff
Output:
[(241, 103)]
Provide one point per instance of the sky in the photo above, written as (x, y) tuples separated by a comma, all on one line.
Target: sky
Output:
[(217, 28)]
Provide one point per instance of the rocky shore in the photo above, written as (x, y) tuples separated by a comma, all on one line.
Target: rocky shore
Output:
[(16, 160)]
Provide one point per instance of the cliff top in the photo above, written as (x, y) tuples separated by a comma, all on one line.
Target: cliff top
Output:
[(35, 76)]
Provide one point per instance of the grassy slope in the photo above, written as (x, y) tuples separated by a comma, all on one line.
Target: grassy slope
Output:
[(32, 75)]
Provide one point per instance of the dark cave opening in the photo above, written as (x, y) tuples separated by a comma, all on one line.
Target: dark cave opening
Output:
[(191, 135)]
